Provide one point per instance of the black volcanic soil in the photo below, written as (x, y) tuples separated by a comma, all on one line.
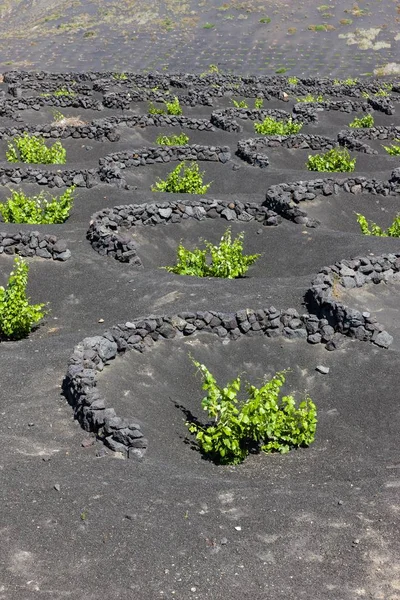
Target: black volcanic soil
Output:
[(318, 523)]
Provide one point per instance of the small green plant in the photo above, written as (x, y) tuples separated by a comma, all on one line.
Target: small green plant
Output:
[(155, 111), (120, 76), (173, 108), (265, 20), (32, 149), (310, 98), (208, 25), (240, 103), (335, 160), (263, 421), (173, 140), (349, 81), (393, 149), (258, 103), (272, 127), (211, 69), (364, 122), (381, 93), (39, 210), (60, 92), (183, 180), (17, 316), (365, 95), (371, 228), (58, 116), (225, 260), (293, 80)]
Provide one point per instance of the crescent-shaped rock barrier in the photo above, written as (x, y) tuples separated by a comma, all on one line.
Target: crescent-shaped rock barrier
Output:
[(349, 274), (99, 130), (52, 178), (38, 102), (251, 150), (162, 121), (33, 243), (285, 198), (352, 139), (225, 118), (94, 353), (17, 90), (104, 236), (111, 166)]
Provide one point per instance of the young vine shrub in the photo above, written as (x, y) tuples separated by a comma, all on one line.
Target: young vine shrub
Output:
[(371, 228), (263, 421), (271, 126), (173, 140), (38, 210), (393, 149), (183, 179), (335, 160), (32, 149), (363, 122), (17, 316), (225, 260), (173, 108)]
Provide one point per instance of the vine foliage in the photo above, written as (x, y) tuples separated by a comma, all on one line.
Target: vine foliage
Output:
[(225, 260), (17, 316), (263, 421)]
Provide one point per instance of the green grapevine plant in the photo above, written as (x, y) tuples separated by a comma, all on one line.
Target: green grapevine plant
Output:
[(335, 160), (184, 180), (32, 149), (225, 260), (261, 422), (17, 316), (39, 210)]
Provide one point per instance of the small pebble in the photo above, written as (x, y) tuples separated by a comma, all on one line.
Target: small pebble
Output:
[(238, 528), (31, 424), (355, 542), (224, 541), (322, 369), (340, 502), (101, 320), (57, 487)]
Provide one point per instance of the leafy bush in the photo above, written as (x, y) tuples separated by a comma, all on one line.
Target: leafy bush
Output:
[(271, 126), (310, 98), (17, 316), (60, 92), (173, 108), (334, 160), (37, 209), (173, 140), (240, 103), (258, 103), (189, 182), (349, 81), (32, 149), (393, 149), (293, 80), (225, 260), (365, 122), (120, 76), (155, 111), (262, 422), (371, 228)]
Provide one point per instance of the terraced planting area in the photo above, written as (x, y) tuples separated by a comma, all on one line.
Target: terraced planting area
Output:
[(105, 488)]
